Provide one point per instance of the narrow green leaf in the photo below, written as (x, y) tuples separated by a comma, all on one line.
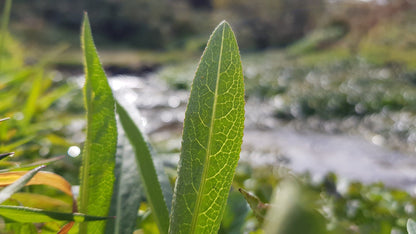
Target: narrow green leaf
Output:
[(98, 157), (259, 208), (22, 214), (18, 184), (411, 226), (212, 137), (32, 99), (30, 166), (3, 156), (40, 201), (147, 170), (127, 188)]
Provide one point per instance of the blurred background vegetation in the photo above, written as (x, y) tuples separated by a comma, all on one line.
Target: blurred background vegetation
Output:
[(379, 30), (333, 66)]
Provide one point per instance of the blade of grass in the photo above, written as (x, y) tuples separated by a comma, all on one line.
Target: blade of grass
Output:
[(30, 166), (7, 192), (32, 99), (3, 156), (98, 158), (147, 170), (212, 137), (40, 201), (32, 215)]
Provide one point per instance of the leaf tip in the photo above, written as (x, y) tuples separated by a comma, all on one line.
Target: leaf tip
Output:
[(6, 155), (225, 24), (7, 118)]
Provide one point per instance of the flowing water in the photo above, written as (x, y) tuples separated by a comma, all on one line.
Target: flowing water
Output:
[(268, 141)]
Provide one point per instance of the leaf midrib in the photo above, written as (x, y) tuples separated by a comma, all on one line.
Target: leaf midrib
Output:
[(208, 151)]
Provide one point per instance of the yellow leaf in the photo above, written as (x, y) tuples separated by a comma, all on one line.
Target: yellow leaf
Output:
[(41, 178)]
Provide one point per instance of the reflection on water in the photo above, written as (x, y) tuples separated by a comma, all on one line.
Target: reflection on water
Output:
[(273, 141), (74, 151)]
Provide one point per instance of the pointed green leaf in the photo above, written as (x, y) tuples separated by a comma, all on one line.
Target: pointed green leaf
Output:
[(3, 156), (22, 214), (259, 208), (147, 170), (411, 226), (98, 158), (212, 137), (18, 184)]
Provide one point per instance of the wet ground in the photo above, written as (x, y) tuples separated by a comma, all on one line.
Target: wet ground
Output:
[(269, 141)]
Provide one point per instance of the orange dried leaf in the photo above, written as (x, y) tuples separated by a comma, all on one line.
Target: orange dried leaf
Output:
[(41, 178)]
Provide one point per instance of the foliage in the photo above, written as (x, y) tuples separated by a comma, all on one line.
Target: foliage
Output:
[(110, 183), (98, 159), (212, 137)]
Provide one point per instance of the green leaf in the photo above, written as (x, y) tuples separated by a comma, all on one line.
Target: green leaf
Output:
[(259, 208), (212, 137), (98, 157), (147, 170), (411, 226), (3, 156), (22, 214), (235, 214), (40, 201), (32, 99), (293, 211), (18, 184), (127, 188)]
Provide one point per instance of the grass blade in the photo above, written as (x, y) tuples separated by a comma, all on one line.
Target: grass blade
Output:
[(39, 201), (212, 137), (3, 156), (147, 170), (98, 157), (18, 184), (32, 215), (32, 99)]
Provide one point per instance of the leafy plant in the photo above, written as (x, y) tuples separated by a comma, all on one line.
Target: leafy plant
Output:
[(13, 208), (212, 139)]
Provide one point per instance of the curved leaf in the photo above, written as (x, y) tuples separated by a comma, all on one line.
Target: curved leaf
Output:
[(147, 170), (212, 137), (18, 184), (98, 158), (41, 178)]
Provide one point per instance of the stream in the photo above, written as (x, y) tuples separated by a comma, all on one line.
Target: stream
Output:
[(268, 141)]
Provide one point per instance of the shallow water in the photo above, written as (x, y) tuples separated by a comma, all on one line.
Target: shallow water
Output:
[(268, 141)]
